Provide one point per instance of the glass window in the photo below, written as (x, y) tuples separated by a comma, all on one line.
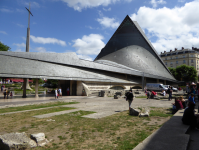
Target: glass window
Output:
[(192, 60), (176, 62), (183, 56), (165, 58), (176, 57), (171, 63), (184, 61), (171, 57), (166, 63)]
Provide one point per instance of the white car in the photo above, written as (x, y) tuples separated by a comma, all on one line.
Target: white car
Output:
[(173, 88)]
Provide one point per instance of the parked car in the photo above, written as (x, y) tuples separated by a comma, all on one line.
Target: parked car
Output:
[(46, 85), (173, 88), (155, 87)]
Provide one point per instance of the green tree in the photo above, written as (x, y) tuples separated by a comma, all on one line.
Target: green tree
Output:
[(186, 73), (173, 71), (54, 82), (40, 81), (4, 47)]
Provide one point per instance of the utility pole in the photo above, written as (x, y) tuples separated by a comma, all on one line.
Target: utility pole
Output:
[(26, 81)]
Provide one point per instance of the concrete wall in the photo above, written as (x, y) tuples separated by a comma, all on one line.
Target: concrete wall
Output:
[(79, 88)]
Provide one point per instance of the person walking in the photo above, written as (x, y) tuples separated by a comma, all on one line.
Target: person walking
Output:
[(4, 93), (11, 94), (7, 93), (130, 99), (68, 91), (56, 94), (1, 88), (169, 91), (60, 92)]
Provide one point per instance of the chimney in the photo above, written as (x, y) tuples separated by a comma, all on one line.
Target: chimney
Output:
[(170, 50), (182, 48), (161, 52), (164, 51), (176, 49), (192, 48)]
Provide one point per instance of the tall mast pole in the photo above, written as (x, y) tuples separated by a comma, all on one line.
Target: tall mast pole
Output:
[(26, 81)]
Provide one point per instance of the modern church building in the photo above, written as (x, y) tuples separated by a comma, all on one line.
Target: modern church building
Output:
[(128, 59)]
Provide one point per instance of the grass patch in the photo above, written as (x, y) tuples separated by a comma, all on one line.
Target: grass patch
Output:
[(36, 106), (72, 131), (141, 97), (161, 112)]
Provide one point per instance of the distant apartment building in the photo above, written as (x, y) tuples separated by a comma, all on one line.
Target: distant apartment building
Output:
[(177, 57)]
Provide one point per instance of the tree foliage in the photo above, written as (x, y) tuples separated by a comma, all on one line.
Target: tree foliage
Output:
[(4, 47), (173, 71), (53, 82), (184, 73), (40, 81)]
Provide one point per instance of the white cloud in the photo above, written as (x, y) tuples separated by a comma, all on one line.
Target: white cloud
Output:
[(108, 22), (85, 57), (181, 1), (18, 50), (24, 38), (20, 45), (155, 3), (83, 4), (3, 32), (173, 27), (19, 10), (89, 45), (42, 50), (43, 40), (32, 4), (20, 25), (108, 9), (5, 10)]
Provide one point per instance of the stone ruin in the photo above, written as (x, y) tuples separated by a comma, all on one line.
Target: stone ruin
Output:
[(20, 141)]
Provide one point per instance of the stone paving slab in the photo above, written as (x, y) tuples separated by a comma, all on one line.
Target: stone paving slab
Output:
[(56, 113), (100, 114)]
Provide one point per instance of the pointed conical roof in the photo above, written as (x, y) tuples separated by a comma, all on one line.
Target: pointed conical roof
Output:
[(129, 40)]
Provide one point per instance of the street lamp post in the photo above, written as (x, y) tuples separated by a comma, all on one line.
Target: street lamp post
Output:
[(26, 81)]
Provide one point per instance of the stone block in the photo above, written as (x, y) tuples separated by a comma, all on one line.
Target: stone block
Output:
[(146, 114), (137, 92), (134, 112), (39, 138), (15, 141)]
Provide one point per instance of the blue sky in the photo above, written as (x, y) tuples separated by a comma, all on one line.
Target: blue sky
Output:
[(85, 26)]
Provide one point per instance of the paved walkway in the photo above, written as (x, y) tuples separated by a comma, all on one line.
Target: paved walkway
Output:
[(103, 106)]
